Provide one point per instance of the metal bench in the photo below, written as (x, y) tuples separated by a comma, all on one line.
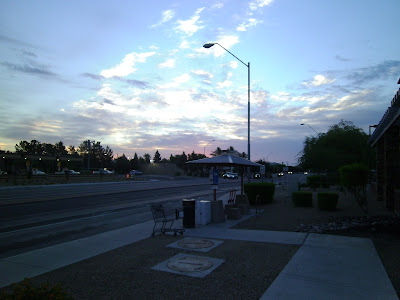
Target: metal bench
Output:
[(161, 216)]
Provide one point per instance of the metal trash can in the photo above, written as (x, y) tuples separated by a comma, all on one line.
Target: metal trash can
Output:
[(189, 213)]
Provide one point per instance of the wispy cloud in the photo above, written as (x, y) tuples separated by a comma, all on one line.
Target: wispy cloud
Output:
[(247, 24), (192, 25), (166, 16), (254, 5), (389, 69), (34, 70), (318, 80), (127, 66), (169, 63), (93, 76)]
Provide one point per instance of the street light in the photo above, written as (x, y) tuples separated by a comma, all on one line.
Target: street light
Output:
[(209, 45), (207, 145), (310, 127)]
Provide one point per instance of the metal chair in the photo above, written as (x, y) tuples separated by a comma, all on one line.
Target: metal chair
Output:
[(161, 217)]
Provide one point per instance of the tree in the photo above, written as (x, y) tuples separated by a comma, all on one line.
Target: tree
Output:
[(343, 144), (32, 147), (157, 157), (147, 158), (135, 162), (94, 155), (122, 165)]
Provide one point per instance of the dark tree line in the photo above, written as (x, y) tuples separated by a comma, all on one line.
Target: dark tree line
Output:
[(343, 144)]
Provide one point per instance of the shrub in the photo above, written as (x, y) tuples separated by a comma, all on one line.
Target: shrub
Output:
[(302, 199), (266, 191), (327, 201), (313, 181), (25, 290), (316, 181), (354, 178)]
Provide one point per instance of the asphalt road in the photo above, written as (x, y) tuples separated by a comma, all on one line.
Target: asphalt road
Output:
[(38, 216)]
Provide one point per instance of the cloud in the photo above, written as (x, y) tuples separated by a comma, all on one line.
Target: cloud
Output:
[(166, 16), (387, 70), (34, 70), (191, 26), (176, 82), (203, 74), (169, 63), (137, 83), (126, 67), (254, 5), (319, 80), (249, 23), (93, 76), (341, 58)]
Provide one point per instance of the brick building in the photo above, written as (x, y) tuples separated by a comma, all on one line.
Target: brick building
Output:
[(386, 140)]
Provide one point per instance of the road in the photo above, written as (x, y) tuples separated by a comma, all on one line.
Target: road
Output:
[(33, 217), (38, 216)]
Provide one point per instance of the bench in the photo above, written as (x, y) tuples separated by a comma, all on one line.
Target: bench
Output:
[(162, 217)]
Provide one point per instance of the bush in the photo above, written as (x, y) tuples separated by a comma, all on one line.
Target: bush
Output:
[(302, 199), (327, 201), (266, 191), (25, 290), (313, 181), (316, 181), (354, 178)]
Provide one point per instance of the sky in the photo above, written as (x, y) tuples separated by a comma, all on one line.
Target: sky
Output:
[(134, 75)]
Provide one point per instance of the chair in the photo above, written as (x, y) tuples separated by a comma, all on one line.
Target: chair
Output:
[(160, 216), (232, 195)]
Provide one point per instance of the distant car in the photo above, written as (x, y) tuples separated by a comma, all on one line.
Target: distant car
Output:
[(103, 171), (135, 172), (72, 172), (290, 172), (230, 175), (38, 172), (280, 174), (257, 175), (305, 173), (3, 172)]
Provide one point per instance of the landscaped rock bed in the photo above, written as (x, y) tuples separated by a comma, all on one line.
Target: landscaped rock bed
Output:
[(366, 223)]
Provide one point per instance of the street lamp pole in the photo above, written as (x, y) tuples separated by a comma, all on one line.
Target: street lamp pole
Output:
[(209, 45), (207, 145), (311, 128)]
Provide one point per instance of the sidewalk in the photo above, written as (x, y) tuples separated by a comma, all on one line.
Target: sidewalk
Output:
[(324, 267)]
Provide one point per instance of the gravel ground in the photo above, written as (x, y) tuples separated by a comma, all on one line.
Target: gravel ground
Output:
[(125, 273)]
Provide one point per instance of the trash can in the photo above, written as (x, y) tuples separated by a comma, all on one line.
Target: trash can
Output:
[(189, 213)]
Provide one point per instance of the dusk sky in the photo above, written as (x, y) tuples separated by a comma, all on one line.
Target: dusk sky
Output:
[(134, 74)]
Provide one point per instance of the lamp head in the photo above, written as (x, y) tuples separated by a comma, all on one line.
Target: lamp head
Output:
[(208, 45), (302, 124)]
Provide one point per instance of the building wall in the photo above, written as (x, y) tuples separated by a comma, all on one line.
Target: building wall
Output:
[(388, 168)]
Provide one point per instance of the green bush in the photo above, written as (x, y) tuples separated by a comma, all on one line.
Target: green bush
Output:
[(302, 198), (327, 201), (354, 178), (266, 191), (313, 181), (316, 181), (25, 290)]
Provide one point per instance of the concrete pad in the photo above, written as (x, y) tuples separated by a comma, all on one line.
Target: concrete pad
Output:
[(39, 261), (279, 237), (213, 264), (177, 244), (297, 288), (13, 272), (333, 267)]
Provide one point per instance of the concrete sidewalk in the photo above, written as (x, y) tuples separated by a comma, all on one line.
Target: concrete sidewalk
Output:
[(324, 267)]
